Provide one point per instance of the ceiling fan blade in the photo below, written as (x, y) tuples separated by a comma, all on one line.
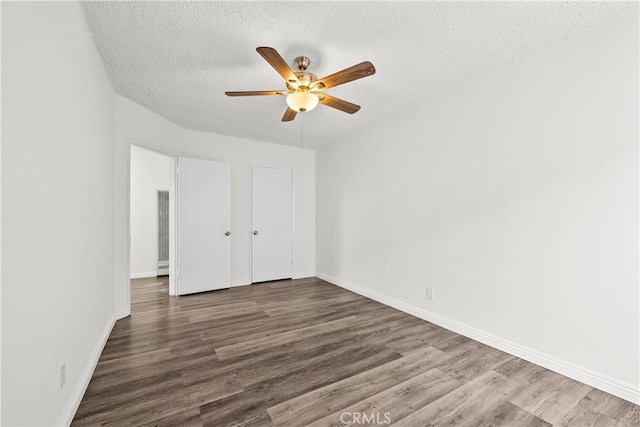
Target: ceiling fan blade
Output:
[(337, 103), (289, 115), (278, 63), (257, 93), (355, 72)]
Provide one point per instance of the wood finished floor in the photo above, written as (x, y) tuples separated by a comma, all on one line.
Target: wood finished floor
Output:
[(304, 352)]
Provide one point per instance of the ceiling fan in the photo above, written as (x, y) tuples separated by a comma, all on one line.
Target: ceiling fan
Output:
[(304, 89)]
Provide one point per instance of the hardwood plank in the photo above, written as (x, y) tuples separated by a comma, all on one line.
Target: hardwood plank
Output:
[(340, 394), (279, 361), (326, 304), (307, 352), (251, 405), (132, 362), (232, 334), (510, 415), (551, 396), (598, 408), (465, 405), (394, 403), (188, 418), (260, 344), (587, 417), (522, 371), (225, 311), (620, 410), (474, 362), (102, 403)]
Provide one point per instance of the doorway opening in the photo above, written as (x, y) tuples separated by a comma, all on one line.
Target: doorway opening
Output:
[(163, 233), (152, 215)]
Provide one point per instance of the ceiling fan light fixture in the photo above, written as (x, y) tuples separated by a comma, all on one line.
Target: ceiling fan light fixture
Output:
[(302, 101), (302, 85)]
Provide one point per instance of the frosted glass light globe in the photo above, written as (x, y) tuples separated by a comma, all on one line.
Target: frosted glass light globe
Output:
[(302, 101)]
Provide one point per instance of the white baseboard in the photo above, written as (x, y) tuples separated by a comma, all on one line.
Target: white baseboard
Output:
[(85, 377), (594, 379), (235, 285), (143, 274), (122, 313), (303, 275)]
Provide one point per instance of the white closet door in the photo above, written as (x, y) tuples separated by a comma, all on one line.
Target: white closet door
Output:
[(272, 223), (204, 225)]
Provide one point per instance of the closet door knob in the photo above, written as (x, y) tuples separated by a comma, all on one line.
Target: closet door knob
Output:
[(255, 232), (228, 233)]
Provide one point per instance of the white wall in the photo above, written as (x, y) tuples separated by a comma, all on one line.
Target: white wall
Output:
[(147, 129), (132, 123), (150, 172), (0, 226), (57, 210), (515, 196), (121, 203)]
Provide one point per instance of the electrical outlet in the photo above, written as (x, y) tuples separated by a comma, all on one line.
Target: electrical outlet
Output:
[(430, 294), (63, 374)]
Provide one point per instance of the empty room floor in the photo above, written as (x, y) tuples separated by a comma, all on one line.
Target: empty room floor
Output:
[(306, 352)]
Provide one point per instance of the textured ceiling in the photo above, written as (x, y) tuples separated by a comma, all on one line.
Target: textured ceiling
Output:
[(178, 58)]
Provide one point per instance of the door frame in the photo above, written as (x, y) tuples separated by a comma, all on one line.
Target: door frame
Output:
[(293, 214)]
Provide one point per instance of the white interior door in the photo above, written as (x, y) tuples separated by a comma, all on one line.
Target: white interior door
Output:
[(204, 225), (272, 223)]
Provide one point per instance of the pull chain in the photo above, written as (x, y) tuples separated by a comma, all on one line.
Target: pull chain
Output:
[(301, 132)]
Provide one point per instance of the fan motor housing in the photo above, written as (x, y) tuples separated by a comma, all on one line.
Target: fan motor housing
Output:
[(305, 79)]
